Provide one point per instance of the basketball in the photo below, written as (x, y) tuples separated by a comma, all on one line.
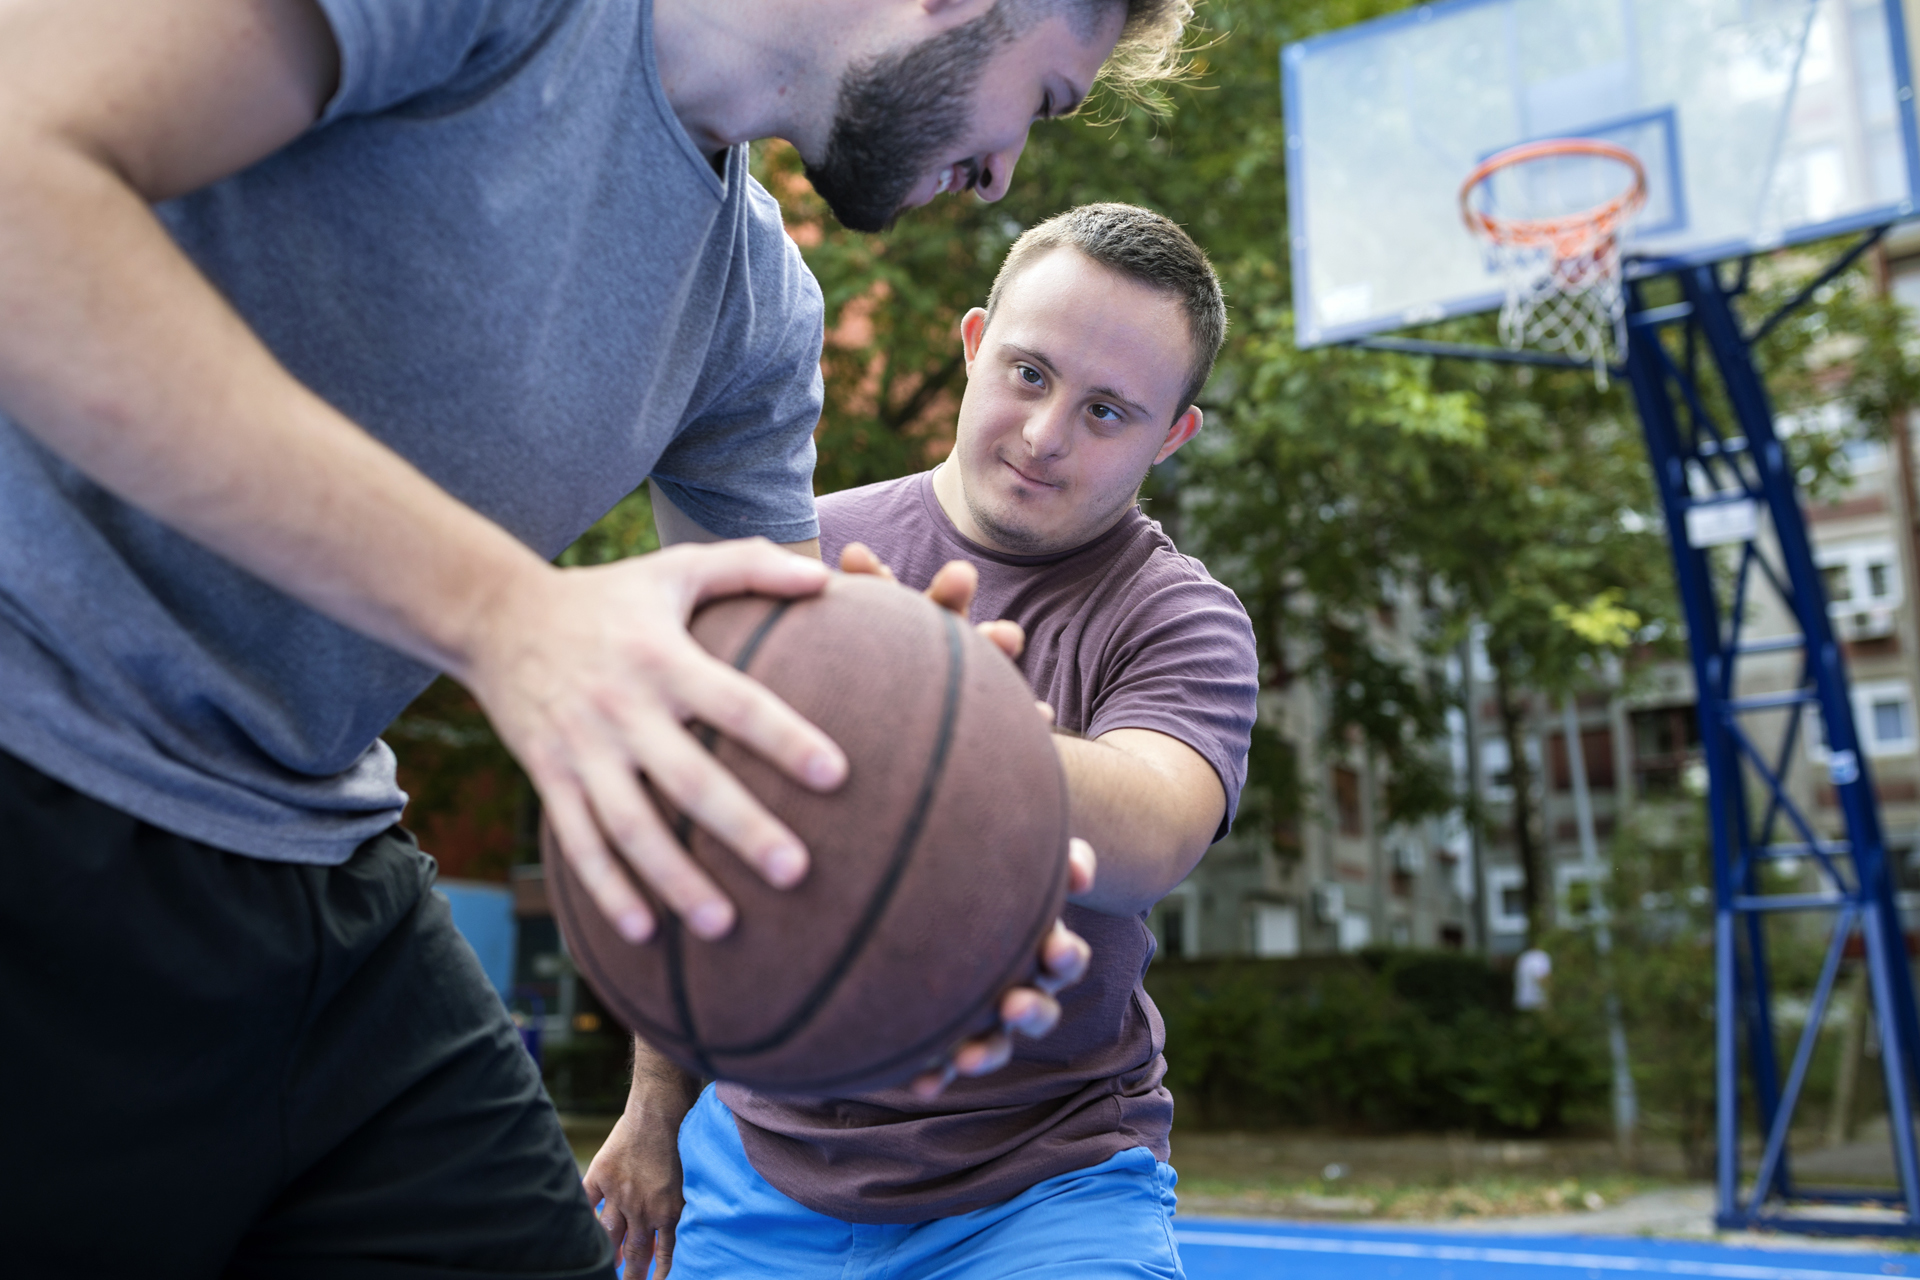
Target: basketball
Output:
[(936, 869)]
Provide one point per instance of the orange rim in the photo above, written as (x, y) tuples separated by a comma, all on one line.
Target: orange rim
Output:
[(1570, 234)]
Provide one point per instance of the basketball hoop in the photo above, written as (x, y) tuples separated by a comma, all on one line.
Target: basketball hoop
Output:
[(1562, 274)]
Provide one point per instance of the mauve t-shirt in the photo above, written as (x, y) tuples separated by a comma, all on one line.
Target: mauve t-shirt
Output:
[(1124, 632)]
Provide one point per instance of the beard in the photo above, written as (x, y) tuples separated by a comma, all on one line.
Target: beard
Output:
[(896, 115)]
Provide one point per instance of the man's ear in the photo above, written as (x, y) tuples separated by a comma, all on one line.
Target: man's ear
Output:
[(973, 327), (1184, 428)]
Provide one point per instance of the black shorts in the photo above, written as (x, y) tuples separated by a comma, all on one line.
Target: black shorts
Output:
[(213, 1065)]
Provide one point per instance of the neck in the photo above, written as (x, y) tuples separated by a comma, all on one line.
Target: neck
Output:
[(953, 500), (739, 70)]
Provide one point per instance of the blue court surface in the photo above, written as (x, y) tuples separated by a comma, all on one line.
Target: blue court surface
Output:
[(1237, 1249)]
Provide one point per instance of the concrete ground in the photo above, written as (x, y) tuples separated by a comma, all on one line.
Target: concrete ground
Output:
[(1261, 1176), (1276, 1177)]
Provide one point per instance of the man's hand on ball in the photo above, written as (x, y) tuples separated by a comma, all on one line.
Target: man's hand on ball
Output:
[(590, 678), (1032, 1011)]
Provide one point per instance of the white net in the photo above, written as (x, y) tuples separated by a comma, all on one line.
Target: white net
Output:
[(1564, 295), (1561, 271)]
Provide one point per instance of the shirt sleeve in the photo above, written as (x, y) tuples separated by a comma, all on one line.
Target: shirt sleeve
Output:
[(1183, 663), (742, 465), (393, 50)]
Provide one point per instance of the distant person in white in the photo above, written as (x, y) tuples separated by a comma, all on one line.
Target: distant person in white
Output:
[(1531, 974)]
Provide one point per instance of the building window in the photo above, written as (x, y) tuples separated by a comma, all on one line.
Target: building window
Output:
[(1346, 801), (1507, 897), (1862, 582), (1176, 925), (1579, 894), (1859, 574), (1173, 929), (1276, 930), (1596, 746), (1496, 769), (1890, 720), (1356, 931), (1884, 710), (1666, 740), (1882, 716)]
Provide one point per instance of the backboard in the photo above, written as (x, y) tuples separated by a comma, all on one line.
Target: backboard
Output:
[(1760, 123)]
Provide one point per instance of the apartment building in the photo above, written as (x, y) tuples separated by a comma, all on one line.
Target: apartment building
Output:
[(1341, 876)]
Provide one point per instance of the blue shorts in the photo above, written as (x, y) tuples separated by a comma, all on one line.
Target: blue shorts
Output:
[(1113, 1221)]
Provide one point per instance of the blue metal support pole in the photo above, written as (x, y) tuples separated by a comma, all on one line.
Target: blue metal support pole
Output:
[(1726, 482)]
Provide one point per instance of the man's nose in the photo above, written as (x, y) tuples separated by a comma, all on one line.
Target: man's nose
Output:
[(996, 170), (1049, 432)]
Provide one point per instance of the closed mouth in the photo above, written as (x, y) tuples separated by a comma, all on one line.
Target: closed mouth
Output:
[(1045, 484)]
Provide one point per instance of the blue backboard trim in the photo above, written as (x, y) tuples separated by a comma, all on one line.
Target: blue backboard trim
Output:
[(1296, 180), (1903, 93)]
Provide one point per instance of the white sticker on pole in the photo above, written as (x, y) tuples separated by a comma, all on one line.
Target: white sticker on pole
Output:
[(1844, 768), (1714, 524)]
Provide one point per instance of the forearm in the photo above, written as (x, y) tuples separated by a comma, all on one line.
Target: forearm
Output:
[(1149, 815), (119, 356), (661, 1092)]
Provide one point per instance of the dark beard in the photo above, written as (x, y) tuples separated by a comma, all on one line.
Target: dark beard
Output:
[(896, 115)]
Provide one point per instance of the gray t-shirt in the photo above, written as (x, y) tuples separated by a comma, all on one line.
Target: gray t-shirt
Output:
[(1124, 632), (500, 253)]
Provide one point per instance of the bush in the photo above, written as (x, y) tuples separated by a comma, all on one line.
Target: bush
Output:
[(1389, 1040)]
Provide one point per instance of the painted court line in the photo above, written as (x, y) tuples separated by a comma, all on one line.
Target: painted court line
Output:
[(1513, 1257)]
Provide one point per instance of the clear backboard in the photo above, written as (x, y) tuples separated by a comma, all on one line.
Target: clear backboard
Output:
[(1760, 123)]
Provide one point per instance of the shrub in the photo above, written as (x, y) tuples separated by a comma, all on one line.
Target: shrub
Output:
[(1386, 1040)]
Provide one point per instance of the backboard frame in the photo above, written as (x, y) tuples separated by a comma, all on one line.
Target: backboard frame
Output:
[(1309, 333)]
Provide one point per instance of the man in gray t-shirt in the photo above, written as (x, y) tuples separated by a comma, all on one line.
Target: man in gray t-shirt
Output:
[(1081, 372), (324, 324)]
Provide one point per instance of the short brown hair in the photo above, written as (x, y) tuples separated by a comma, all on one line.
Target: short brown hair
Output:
[(1142, 246)]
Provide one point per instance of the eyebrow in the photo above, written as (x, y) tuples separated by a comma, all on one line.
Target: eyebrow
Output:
[(1103, 393)]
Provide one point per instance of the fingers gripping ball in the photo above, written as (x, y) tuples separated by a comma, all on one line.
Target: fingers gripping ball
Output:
[(937, 868)]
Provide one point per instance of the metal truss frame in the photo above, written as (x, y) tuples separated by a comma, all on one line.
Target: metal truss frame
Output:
[(1719, 466), (1721, 458)]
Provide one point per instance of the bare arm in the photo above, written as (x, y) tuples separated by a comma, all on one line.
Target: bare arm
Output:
[(1149, 803), (637, 1170), (120, 357)]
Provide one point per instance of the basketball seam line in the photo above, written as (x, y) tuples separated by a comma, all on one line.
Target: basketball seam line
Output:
[(683, 832), (896, 869), (993, 992), (570, 911)]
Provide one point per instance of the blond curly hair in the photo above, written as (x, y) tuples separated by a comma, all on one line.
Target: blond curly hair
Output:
[(1152, 50)]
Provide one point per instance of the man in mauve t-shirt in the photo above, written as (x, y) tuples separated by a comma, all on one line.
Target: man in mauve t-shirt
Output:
[(1081, 373)]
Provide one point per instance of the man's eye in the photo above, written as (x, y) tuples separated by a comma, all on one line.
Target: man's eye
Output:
[(1104, 412), (1030, 375)]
